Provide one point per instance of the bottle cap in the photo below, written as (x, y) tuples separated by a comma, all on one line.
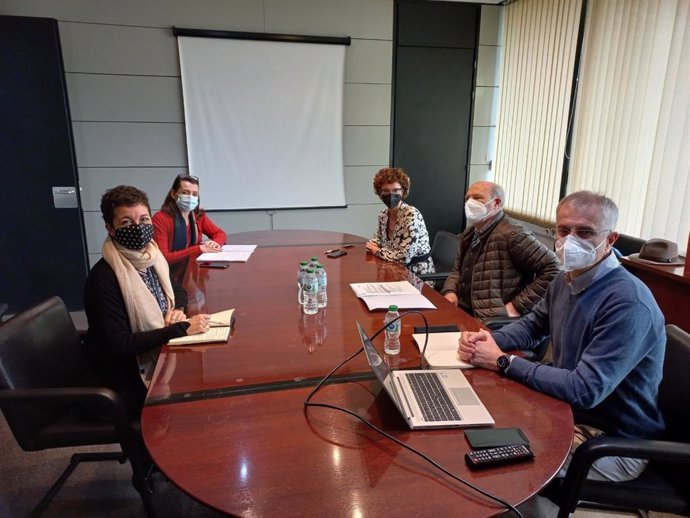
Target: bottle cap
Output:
[(319, 266), (303, 263), (315, 259), (310, 270), (392, 307)]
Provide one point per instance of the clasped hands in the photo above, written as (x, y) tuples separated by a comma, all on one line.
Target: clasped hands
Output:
[(479, 349)]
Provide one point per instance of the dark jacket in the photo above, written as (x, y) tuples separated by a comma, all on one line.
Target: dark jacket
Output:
[(512, 265), (110, 342)]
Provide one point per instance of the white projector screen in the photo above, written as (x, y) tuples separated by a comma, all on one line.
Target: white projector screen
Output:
[(264, 122)]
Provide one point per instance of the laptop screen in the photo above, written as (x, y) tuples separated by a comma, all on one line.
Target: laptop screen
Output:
[(373, 357)]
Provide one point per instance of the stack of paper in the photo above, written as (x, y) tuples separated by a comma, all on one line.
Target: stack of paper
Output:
[(380, 295), (441, 350), (228, 254), (219, 331)]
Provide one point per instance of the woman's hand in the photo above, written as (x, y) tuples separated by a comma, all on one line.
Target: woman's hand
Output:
[(213, 245), (174, 316), (372, 248), (198, 324), (206, 247)]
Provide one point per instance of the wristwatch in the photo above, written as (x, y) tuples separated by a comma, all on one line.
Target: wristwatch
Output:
[(502, 363)]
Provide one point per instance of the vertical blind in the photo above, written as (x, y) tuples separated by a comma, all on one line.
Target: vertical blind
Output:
[(632, 140), (539, 54)]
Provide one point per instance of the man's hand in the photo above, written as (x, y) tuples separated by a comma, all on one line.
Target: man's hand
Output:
[(510, 309), (452, 297), (479, 349)]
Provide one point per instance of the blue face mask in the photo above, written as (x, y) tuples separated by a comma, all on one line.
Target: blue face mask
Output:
[(187, 202)]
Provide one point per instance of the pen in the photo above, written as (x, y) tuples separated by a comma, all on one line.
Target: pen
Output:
[(217, 323), (331, 251)]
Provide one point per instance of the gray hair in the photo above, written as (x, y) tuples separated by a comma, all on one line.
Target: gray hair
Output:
[(498, 192), (593, 203)]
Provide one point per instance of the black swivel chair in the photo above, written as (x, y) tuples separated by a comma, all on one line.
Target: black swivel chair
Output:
[(664, 485), (48, 401), (444, 249), (627, 245)]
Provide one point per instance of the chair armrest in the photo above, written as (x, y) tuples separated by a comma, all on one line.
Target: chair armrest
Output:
[(438, 276), (496, 323), (591, 450), (90, 397)]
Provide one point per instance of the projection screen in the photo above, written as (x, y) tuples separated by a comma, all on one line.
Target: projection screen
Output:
[(264, 122)]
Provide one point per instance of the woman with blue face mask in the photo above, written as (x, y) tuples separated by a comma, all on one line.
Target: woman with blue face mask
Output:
[(180, 225)]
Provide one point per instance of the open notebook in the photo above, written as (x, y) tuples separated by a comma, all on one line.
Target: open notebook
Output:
[(219, 331), (441, 350)]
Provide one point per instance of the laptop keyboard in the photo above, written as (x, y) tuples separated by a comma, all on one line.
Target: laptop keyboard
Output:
[(432, 397)]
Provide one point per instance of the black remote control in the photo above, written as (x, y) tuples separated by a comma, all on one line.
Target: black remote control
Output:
[(490, 457)]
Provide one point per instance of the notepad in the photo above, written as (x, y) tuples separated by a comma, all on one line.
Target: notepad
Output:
[(380, 295), (228, 254), (218, 331), (441, 350)]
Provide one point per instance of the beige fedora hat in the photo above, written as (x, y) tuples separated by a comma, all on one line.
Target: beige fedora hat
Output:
[(660, 252)]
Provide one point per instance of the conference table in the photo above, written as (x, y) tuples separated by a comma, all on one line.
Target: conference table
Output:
[(227, 423)]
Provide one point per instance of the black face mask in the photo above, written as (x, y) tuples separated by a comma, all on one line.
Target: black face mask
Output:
[(391, 200), (134, 237)]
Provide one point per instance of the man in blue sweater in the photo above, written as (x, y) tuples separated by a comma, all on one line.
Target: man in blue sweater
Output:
[(607, 334)]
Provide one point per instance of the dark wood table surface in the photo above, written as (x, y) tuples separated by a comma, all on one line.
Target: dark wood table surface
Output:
[(226, 423)]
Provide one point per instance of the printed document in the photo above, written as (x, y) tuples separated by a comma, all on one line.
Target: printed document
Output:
[(380, 295)]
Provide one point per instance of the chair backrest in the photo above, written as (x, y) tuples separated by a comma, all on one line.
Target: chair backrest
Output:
[(444, 250), (674, 391), (39, 348), (627, 245)]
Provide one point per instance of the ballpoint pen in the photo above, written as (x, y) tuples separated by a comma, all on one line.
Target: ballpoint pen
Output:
[(218, 323), (331, 251)]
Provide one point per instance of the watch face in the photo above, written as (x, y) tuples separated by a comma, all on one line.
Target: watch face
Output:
[(503, 361)]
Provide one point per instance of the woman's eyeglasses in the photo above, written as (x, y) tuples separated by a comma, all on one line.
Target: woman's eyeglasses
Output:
[(582, 233), (384, 192)]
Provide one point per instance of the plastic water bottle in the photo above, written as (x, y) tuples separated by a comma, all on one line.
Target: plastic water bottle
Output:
[(391, 345), (322, 280), (300, 274), (310, 293), (313, 263)]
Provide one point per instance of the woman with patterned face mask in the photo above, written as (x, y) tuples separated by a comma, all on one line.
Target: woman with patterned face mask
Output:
[(132, 306), (401, 234), (181, 224)]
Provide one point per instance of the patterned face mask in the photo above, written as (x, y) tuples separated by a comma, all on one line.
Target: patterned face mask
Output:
[(134, 237)]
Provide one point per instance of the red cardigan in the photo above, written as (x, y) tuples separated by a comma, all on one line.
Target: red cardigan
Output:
[(164, 230)]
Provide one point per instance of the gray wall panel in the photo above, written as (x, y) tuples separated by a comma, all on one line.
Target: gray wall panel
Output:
[(154, 181), (369, 61), (97, 97), (206, 14), (332, 17), (115, 49), (359, 187), (121, 144), (366, 145), (367, 104)]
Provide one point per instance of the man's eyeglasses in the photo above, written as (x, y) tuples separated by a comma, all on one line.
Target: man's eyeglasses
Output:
[(582, 233), (384, 192)]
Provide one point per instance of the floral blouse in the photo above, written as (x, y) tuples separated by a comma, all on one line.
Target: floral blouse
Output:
[(408, 242)]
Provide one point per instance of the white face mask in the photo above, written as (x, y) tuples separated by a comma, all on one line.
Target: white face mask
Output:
[(476, 211), (576, 253)]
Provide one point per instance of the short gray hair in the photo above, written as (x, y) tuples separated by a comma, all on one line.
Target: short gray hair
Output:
[(498, 192), (594, 203)]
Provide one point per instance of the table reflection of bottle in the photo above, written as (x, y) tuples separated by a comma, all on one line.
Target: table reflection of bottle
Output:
[(313, 329)]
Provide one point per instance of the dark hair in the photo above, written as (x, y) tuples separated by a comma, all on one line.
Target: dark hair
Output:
[(392, 175), (121, 196), (170, 206)]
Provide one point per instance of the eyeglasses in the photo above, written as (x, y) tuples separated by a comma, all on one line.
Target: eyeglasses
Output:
[(582, 233), (384, 192)]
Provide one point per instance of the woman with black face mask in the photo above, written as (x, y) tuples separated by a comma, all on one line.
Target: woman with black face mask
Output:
[(401, 235), (132, 306)]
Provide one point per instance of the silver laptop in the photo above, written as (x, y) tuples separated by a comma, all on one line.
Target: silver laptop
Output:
[(428, 398)]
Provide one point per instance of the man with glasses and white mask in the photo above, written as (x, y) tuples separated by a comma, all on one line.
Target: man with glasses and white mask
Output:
[(607, 334), (501, 268)]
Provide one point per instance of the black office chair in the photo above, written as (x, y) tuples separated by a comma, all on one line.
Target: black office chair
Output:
[(664, 485), (49, 402), (444, 249), (627, 245)]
